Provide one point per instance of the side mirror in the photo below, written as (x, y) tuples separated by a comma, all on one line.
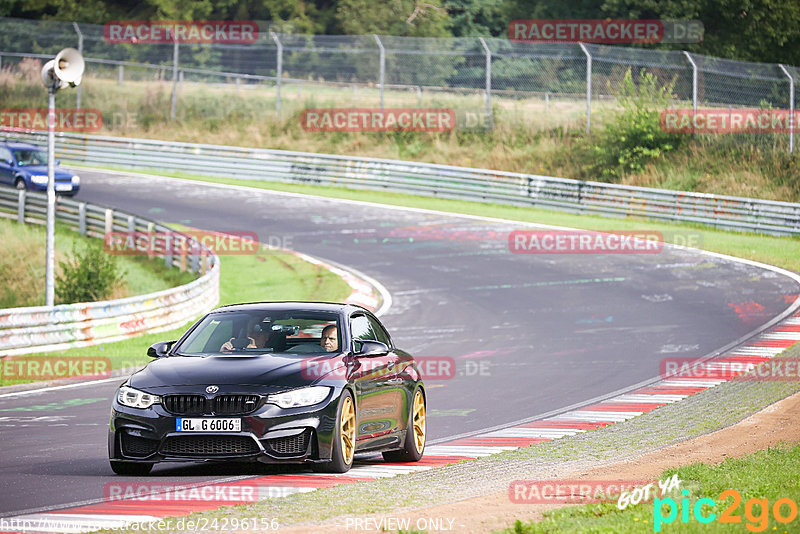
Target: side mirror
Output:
[(160, 349), (372, 348)]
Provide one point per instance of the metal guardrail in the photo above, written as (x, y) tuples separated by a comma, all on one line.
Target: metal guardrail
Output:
[(444, 181), (45, 328)]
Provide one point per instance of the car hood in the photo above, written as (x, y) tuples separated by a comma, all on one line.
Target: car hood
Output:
[(60, 174), (267, 373)]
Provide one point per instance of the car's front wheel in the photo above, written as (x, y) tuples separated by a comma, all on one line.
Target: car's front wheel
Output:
[(20, 184), (414, 444), (344, 437), (128, 468)]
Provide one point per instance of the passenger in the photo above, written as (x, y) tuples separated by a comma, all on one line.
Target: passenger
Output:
[(330, 338)]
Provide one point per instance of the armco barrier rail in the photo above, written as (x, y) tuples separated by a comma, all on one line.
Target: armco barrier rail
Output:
[(43, 328), (731, 213)]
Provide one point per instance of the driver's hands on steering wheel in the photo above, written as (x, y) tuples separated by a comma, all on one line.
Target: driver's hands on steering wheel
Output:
[(228, 345)]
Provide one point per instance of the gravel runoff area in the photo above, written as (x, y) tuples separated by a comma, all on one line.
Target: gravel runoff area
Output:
[(708, 411)]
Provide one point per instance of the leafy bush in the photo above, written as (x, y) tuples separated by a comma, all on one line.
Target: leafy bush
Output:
[(88, 275), (634, 136)]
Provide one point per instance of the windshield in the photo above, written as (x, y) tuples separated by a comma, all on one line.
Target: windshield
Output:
[(26, 157), (260, 332)]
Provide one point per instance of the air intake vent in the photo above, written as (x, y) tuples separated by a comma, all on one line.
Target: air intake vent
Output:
[(204, 446)]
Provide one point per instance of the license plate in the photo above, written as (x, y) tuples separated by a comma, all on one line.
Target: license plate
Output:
[(183, 424), (63, 187)]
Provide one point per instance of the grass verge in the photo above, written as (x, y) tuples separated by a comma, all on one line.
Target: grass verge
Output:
[(765, 477)]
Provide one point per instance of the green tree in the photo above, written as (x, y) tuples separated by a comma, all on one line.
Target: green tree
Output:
[(88, 275), (414, 18)]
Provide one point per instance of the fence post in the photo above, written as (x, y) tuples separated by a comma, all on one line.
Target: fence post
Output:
[(488, 81), (279, 70), (791, 108), (694, 84), (120, 74), (82, 218), (382, 76), (588, 88), (21, 207), (80, 49), (173, 104)]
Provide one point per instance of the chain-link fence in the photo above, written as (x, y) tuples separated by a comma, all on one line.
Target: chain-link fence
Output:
[(381, 68)]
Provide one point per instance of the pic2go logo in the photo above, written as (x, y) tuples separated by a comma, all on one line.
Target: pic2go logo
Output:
[(757, 521)]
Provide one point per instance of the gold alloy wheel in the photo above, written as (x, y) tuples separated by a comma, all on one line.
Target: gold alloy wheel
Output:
[(418, 422), (347, 430)]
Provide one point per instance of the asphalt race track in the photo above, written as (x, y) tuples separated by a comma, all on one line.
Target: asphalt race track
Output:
[(531, 333)]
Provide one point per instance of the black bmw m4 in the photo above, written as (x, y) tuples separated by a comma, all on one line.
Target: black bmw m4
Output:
[(286, 382)]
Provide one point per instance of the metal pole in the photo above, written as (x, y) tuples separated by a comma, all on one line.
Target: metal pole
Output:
[(488, 81), (173, 105), (383, 65), (694, 82), (588, 88), (80, 49), (49, 296), (279, 70), (791, 108)]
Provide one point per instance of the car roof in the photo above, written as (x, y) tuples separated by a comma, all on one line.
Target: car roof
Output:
[(335, 307), (19, 144)]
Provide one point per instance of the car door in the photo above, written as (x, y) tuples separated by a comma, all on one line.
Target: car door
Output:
[(379, 392), (6, 166)]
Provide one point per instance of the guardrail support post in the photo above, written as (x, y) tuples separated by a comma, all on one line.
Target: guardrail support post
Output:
[(82, 218), (150, 227), (382, 74), (278, 70), (791, 108), (120, 74), (21, 207), (588, 88), (488, 81), (109, 227)]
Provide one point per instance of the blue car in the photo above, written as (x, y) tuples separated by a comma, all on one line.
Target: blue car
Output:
[(24, 166)]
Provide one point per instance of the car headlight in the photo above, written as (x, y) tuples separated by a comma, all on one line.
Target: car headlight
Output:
[(39, 179), (300, 397), (76, 180), (134, 398)]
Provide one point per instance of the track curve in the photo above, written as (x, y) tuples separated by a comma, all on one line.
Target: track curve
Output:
[(535, 333)]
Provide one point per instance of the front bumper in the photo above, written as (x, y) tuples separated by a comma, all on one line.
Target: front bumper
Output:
[(270, 435), (61, 187)]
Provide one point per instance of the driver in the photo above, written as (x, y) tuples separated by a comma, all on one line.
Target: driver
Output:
[(258, 340), (330, 338)]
